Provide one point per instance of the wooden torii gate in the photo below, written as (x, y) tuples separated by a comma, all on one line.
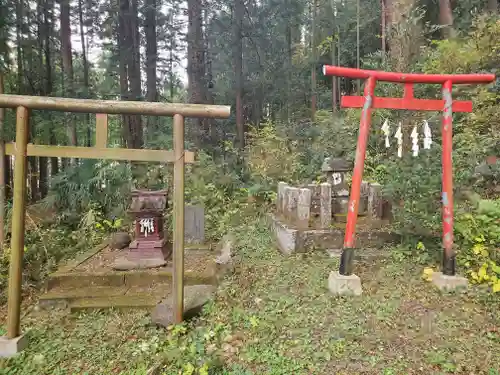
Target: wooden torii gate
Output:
[(407, 102), (21, 149)]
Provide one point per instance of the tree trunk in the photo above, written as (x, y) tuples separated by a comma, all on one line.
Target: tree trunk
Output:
[(208, 123), (19, 46), (383, 27), (313, 54), (289, 65), (134, 74), (172, 46), (151, 60), (238, 13), (493, 6), (48, 21), (86, 83), (334, 55), (358, 46), (67, 62), (122, 50), (196, 70), (446, 19)]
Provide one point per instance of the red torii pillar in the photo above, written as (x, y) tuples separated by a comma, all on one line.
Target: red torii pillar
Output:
[(407, 102)]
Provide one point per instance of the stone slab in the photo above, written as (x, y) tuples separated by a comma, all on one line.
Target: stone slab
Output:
[(286, 238), (194, 224), (449, 283), (125, 264), (11, 347), (341, 285), (124, 302), (291, 240)]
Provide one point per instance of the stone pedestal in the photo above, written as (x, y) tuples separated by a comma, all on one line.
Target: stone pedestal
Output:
[(149, 248), (11, 347), (447, 283), (342, 285)]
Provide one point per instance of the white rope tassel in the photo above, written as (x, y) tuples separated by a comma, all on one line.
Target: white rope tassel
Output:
[(414, 141), (399, 137), (427, 136), (386, 129)]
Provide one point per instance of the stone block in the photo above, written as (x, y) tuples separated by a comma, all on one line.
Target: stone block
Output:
[(11, 347), (449, 283), (326, 205), (375, 201), (341, 285), (304, 208), (280, 199), (286, 238), (194, 224), (363, 197), (291, 204)]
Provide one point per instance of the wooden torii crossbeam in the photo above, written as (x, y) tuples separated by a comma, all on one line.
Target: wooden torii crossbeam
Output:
[(407, 102)]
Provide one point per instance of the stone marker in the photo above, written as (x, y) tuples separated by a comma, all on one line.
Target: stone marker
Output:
[(194, 224), (315, 199), (120, 240), (449, 283), (281, 196), (341, 285), (303, 208), (375, 202), (225, 254), (291, 204), (195, 297), (325, 205), (224, 260), (363, 198)]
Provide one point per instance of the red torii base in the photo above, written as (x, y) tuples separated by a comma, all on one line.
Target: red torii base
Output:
[(407, 102)]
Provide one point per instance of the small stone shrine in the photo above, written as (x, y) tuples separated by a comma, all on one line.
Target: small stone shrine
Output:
[(149, 247), (313, 216)]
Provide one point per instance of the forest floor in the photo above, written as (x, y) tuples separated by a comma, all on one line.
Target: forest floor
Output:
[(273, 316)]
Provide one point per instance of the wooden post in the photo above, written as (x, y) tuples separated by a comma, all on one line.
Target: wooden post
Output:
[(326, 205), (178, 256), (101, 130), (303, 208), (18, 216)]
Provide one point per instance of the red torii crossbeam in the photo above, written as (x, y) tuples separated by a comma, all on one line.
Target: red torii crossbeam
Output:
[(407, 102)]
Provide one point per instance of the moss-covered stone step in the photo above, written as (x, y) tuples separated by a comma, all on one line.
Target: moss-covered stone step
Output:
[(109, 296), (132, 301), (124, 278)]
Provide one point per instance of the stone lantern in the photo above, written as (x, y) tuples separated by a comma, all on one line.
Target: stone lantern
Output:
[(335, 170), (148, 248)]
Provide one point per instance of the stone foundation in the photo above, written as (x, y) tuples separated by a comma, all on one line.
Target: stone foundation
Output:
[(313, 217), (293, 240)]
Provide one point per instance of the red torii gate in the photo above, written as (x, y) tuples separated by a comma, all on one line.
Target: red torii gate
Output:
[(407, 102)]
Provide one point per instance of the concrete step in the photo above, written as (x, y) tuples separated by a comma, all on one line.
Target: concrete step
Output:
[(105, 297), (125, 278), (132, 301)]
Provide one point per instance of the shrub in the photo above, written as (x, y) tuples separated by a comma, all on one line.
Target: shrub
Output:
[(478, 234)]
